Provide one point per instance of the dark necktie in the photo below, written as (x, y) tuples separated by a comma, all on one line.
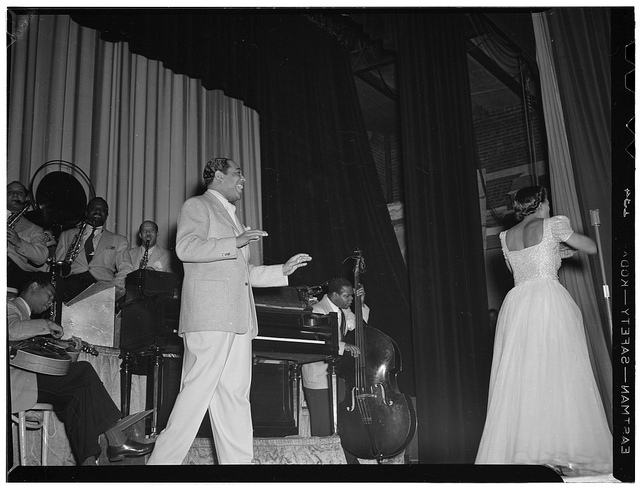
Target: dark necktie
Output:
[(88, 246), (145, 258), (343, 323)]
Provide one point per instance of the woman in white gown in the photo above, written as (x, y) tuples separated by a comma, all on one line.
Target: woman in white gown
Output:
[(544, 405)]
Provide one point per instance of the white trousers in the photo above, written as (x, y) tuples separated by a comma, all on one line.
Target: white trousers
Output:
[(216, 376)]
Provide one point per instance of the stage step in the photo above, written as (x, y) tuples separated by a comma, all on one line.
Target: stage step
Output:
[(291, 450)]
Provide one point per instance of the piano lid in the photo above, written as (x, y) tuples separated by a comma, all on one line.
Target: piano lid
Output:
[(278, 298)]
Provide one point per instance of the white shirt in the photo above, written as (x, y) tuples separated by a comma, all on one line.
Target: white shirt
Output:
[(314, 374)]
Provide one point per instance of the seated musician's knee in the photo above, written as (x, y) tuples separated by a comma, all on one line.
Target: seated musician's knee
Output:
[(83, 371)]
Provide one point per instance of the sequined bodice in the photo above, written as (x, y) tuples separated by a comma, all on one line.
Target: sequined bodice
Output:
[(540, 261)]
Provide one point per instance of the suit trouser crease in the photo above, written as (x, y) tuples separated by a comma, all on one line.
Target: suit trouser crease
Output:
[(216, 376), (82, 403)]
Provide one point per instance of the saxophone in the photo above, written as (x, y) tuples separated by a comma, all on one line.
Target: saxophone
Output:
[(14, 218), (63, 267)]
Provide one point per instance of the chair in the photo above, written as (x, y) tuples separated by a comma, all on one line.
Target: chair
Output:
[(46, 409)]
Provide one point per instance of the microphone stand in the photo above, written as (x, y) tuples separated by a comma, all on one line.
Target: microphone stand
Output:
[(595, 222)]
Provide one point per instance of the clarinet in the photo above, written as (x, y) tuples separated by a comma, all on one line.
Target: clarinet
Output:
[(145, 257), (53, 312)]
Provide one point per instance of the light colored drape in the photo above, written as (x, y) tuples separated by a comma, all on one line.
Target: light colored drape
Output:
[(577, 273), (139, 131)]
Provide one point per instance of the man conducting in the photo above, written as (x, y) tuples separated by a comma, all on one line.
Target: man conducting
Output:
[(217, 320)]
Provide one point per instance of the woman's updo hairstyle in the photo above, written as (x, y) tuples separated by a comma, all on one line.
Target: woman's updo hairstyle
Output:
[(527, 200)]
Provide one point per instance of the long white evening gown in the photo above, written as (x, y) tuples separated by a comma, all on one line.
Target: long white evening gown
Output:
[(544, 405)]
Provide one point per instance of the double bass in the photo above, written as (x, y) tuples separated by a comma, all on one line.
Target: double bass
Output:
[(375, 420)]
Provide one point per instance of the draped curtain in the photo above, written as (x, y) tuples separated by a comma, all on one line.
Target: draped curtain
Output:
[(320, 190), (445, 244), (141, 132), (444, 234), (572, 50)]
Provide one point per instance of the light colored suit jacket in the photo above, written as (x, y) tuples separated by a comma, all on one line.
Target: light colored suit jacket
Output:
[(216, 290), (314, 374), (24, 385), (159, 258), (33, 251), (107, 263)]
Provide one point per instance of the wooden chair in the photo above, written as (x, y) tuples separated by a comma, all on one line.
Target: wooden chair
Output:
[(47, 410)]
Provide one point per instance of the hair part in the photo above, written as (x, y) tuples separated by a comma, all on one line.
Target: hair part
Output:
[(216, 164), (527, 200)]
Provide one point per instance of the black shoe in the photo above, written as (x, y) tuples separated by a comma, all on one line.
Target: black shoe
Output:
[(130, 448)]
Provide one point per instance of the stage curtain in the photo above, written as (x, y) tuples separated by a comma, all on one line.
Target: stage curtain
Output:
[(321, 192), (141, 132), (445, 244), (573, 123)]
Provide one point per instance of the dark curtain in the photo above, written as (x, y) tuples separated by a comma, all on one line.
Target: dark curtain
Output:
[(321, 192), (582, 47), (445, 248), (444, 237)]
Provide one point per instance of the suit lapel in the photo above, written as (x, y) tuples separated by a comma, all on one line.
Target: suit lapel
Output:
[(219, 208)]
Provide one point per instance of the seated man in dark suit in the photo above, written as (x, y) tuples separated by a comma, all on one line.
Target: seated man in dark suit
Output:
[(79, 398)]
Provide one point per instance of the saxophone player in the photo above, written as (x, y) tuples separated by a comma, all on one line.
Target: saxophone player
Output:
[(92, 253), (149, 255), (26, 242)]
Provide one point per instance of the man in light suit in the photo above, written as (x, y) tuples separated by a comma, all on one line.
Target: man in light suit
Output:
[(26, 242), (315, 380), (158, 259), (101, 256), (79, 398), (217, 320)]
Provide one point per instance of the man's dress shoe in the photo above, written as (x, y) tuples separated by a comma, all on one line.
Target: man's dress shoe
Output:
[(129, 448)]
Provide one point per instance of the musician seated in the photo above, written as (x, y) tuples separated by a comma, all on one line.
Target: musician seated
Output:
[(149, 255), (315, 378), (79, 398), (94, 255), (26, 242)]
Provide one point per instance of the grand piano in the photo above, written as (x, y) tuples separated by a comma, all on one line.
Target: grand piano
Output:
[(289, 335)]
